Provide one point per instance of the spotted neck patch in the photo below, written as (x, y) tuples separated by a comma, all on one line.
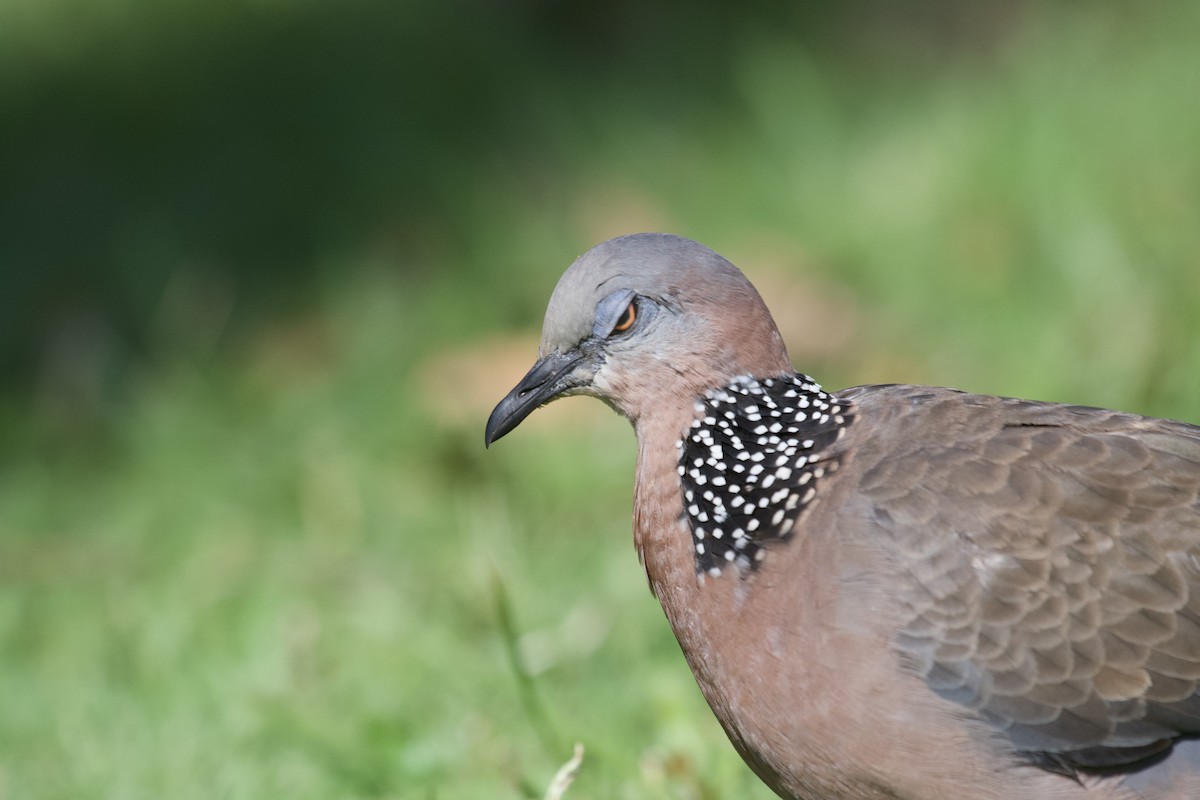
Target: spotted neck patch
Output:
[(750, 463)]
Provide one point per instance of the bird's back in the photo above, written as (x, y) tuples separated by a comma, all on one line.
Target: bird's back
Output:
[(1044, 562)]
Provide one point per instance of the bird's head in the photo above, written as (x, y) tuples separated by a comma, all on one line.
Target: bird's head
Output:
[(640, 319)]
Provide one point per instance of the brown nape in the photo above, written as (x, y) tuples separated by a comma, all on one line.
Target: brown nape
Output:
[(902, 591)]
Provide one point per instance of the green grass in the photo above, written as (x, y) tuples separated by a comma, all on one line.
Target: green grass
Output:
[(284, 565)]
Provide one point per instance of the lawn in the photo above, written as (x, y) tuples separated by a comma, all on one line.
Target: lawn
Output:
[(271, 558)]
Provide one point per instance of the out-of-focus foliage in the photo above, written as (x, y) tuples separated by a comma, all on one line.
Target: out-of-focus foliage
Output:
[(232, 147), (265, 266)]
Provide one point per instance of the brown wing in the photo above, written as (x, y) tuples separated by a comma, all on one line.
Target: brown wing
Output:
[(1049, 563)]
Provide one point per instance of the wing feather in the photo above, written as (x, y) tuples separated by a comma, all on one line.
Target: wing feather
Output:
[(1049, 564)]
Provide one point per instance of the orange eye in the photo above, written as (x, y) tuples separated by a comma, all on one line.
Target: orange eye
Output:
[(627, 319)]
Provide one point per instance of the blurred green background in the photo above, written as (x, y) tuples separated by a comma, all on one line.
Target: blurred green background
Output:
[(266, 265)]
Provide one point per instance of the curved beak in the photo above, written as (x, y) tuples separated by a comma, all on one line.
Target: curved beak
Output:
[(551, 377)]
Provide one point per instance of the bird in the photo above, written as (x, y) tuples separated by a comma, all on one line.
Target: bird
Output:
[(890, 591)]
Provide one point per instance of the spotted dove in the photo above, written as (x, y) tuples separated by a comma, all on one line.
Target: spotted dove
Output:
[(891, 591)]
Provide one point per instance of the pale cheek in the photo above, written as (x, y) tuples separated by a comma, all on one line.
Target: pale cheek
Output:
[(607, 382), (613, 386)]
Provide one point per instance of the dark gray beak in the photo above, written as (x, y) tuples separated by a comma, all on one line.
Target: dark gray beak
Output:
[(550, 378)]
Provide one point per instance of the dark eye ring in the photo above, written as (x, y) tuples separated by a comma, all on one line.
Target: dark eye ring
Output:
[(627, 318)]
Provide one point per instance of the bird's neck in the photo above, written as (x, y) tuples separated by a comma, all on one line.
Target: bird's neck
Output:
[(659, 531), (730, 470), (723, 479), (676, 566), (663, 540), (755, 627)]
